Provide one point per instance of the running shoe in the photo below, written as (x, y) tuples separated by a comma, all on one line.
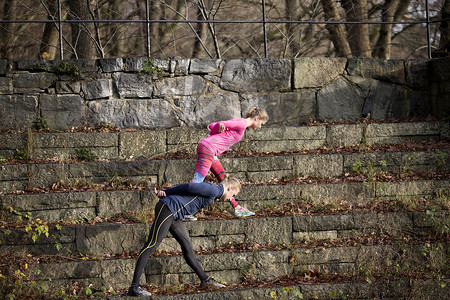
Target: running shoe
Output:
[(190, 218), (243, 212), (211, 282), (138, 291)]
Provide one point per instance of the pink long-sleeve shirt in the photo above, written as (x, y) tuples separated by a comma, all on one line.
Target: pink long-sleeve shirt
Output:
[(219, 142)]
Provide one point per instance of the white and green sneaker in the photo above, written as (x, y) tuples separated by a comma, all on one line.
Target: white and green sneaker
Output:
[(190, 218), (243, 212)]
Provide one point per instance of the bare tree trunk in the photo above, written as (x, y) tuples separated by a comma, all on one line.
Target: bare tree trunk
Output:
[(49, 42), (7, 29), (336, 31), (81, 32), (201, 29), (291, 7), (357, 34), (383, 46), (444, 43)]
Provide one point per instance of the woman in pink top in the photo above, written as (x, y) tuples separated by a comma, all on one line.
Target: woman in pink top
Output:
[(223, 135)]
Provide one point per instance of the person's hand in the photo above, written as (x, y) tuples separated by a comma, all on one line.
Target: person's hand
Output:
[(221, 127), (160, 194)]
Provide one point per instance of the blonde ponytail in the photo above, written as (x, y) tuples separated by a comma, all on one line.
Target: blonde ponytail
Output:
[(257, 112)]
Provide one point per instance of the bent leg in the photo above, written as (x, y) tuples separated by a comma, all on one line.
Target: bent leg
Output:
[(219, 172), (204, 161), (162, 223), (180, 233)]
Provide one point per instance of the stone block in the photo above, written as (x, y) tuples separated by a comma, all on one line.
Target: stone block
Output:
[(199, 111), (133, 85), (280, 146), (34, 81), (85, 66), (315, 235), (375, 130), (18, 111), (204, 66), (111, 238), (323, 194), (313, 223), (418, 74), (317, 72), (45, 176), (344, 135), (142, 144), (32, 202), (113, 203), (180, 86), (339, 102), (179, 138), (6, 85), (111, 64), (133, 113), (269, 230), (97, 89), (440, 67), (3, 66), (327, 165), (256, 75), (385, 70), (68, 87), (35, 65), (283, 108), (76, 139), (62, 112), (13, 141)]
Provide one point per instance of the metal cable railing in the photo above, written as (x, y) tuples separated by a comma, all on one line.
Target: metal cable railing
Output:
[(264, 22)]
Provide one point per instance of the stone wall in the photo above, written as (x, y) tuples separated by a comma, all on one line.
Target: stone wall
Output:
[(193, 92)]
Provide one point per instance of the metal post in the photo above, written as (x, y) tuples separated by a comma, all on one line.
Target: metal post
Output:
[(147, 17), (428, 29), (264, 27), (61, 53)]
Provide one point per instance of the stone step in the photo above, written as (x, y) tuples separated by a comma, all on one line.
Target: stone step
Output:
[(54, 206), (125, 145), (124, 237), (420, 288), (234, 266), (15, 177)]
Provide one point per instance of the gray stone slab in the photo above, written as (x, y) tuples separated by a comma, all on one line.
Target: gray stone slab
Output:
[(132, 113), (111, 238), (316, 72), (283, 108), (344, 135), (97, 89), (34, 81), (337, 101), (204, 66), (6, 85), (18, 111), (133, 85), (180, 86), (387, 70), (62, 112), (256, 75), (327, 165), (142, 144)]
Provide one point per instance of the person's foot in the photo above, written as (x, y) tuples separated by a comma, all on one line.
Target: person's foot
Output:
[(211, 282), (190, 218), (138, 291), (240, 211)]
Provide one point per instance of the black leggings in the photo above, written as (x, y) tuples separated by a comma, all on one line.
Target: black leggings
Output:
[(164, 222)]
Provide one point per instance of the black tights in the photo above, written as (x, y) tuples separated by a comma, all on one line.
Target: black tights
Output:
[(164, 222)]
